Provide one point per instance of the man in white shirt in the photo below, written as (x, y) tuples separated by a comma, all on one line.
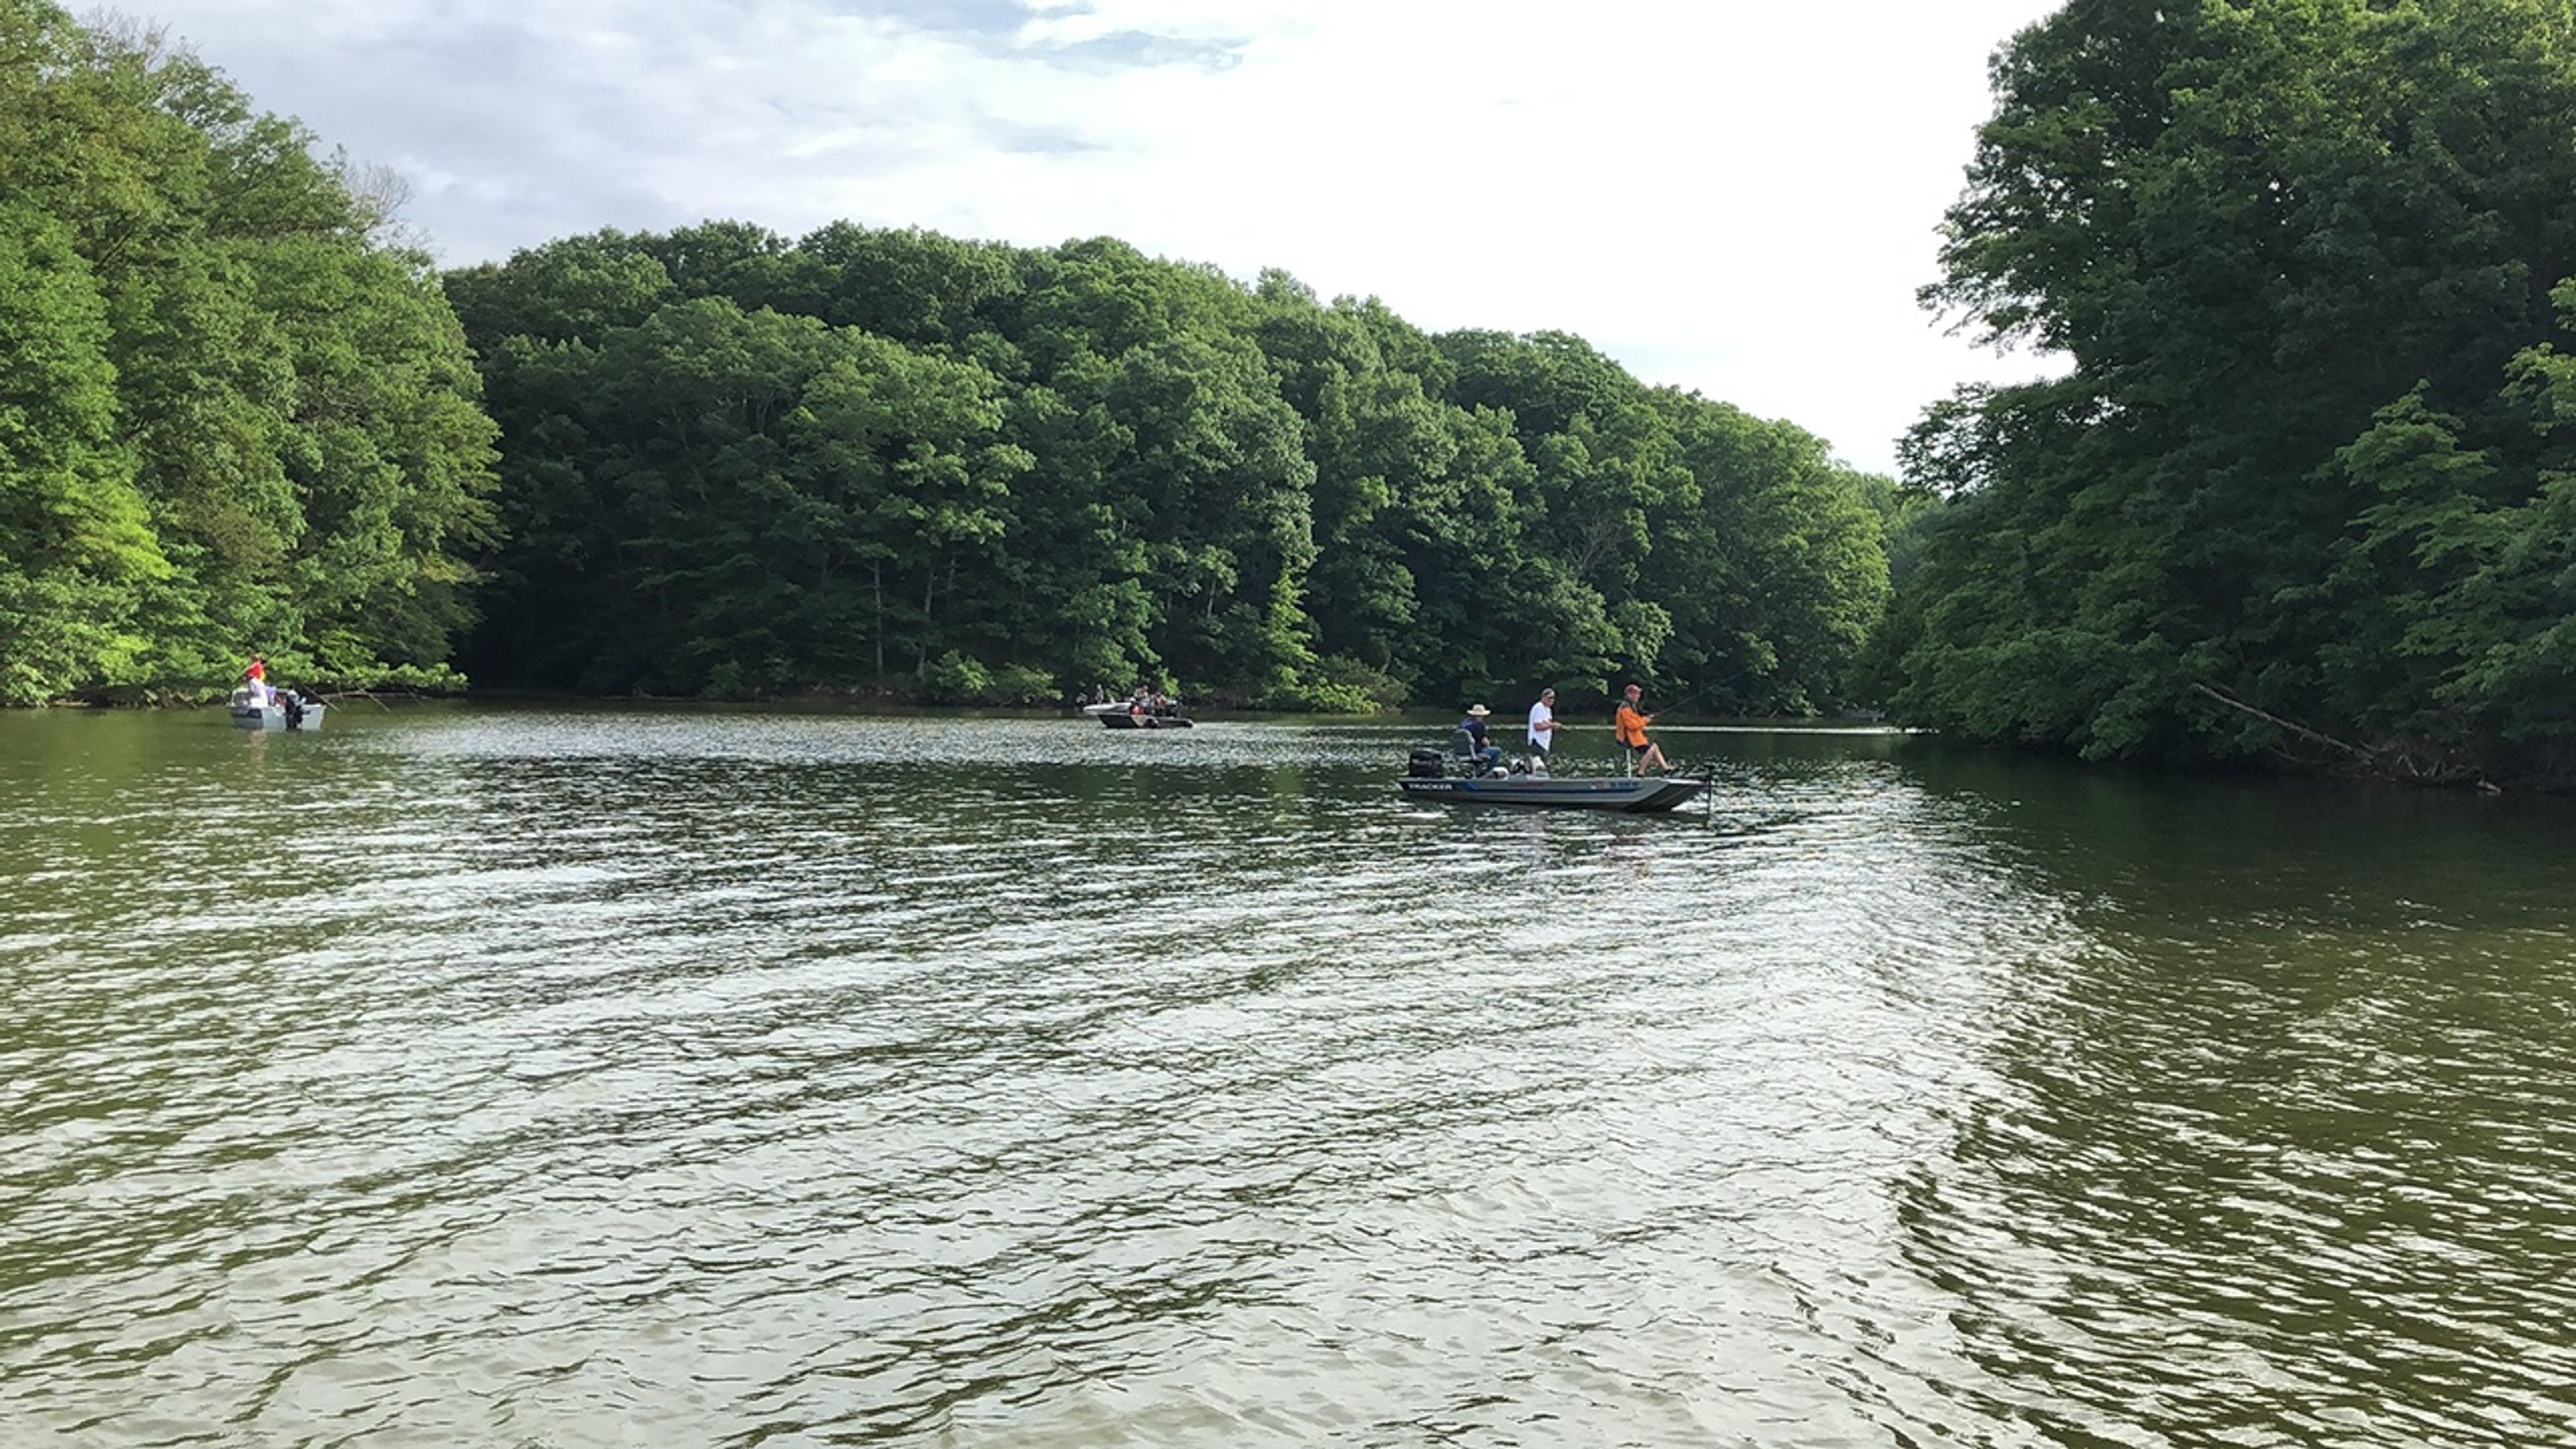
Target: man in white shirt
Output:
[(1542, 730)]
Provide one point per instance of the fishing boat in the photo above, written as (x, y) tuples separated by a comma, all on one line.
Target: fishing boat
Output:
[(1428, 777), (282, 710), (1129, 714)]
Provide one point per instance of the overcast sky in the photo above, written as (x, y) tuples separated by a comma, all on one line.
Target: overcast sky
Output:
[(1737, 196)]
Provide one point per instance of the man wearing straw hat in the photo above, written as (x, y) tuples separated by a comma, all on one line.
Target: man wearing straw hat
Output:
[(1486, 753)]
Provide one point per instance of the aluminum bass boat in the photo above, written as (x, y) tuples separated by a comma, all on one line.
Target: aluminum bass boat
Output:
[(1460, 777)]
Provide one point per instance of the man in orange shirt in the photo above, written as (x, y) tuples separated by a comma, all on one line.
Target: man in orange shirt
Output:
[(1629, 726)]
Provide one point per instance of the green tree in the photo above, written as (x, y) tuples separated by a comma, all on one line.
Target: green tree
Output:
[(1774, 570), (2252, 228), (75, 539), (290, 399), (910, 482), (980, 467), (575, 287)]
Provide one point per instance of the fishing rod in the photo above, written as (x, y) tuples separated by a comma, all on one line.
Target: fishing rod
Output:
[(1709, 772), (1704, 691)]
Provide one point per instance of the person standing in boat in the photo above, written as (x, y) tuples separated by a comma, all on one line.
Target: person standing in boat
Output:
[(1542, 730), (1629, 727), (257, 675)]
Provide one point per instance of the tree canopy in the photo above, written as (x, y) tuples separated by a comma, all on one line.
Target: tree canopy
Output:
[(238, 416), (891, 461), (2304, 487), (243, 414)]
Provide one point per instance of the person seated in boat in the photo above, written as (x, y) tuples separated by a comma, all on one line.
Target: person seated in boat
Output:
[(1629, 727), (1474, 745)]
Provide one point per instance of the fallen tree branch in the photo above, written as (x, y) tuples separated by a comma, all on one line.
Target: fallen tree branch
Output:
[(2356, 751)]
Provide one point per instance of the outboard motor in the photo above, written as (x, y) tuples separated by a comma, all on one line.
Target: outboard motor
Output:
[(1426, 764)]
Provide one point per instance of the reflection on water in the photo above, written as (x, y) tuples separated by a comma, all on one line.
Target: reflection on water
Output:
[(551, 1078)]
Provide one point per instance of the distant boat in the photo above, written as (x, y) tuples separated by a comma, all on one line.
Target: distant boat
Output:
[(1127, 714), (282, 712), (1126, 721), (1428, 777)]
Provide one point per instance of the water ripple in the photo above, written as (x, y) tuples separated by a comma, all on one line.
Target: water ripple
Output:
[(597, 1078)]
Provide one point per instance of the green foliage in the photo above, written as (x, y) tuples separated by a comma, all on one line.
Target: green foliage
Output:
[(956, 677), (2299, 254), (75, 537), (576, 287), (892, 461), (1337, 685), (234, 419), (240, 416)]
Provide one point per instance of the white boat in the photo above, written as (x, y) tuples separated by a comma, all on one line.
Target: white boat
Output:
[(282, 711), (1129, 714)]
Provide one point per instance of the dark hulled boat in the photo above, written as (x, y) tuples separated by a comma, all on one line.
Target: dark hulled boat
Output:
[(1452, 779)]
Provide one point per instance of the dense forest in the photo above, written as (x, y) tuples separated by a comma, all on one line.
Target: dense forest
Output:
[(242, 414), (2305, 490), (235, 412), (2303, 487), (893, 462)]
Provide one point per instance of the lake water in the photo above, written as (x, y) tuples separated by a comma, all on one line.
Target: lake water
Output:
[(479, 1076)]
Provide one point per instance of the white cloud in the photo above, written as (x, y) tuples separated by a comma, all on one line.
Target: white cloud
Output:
[(1730, 196)]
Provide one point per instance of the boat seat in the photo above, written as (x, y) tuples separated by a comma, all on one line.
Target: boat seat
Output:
[(1462, 746)]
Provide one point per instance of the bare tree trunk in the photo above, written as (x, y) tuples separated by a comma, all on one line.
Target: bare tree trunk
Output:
[(921, 654)]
